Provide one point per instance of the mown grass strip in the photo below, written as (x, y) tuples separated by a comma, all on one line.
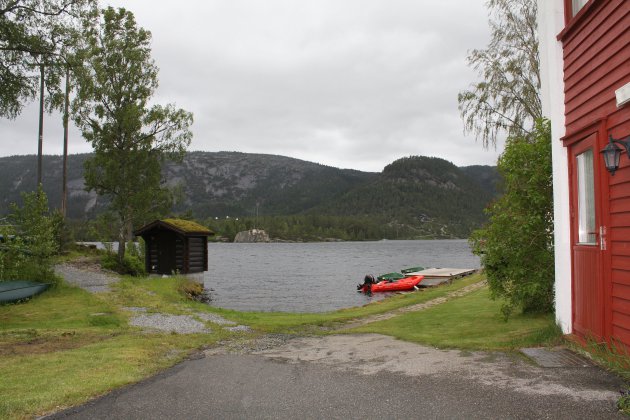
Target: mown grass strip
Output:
[(38, 383), (473, 321), (283, 322)]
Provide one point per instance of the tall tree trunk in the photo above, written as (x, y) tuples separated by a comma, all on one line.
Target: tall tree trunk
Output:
[(64, 193), (125, 234), (121, 243), (40, 138)]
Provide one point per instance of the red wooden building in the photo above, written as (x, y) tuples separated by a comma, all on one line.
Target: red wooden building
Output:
[(585, 69)]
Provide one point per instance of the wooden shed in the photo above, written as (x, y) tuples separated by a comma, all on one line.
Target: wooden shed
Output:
[(175, 245)]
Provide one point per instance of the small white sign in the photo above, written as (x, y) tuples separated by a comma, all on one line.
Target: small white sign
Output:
[(623, 95)]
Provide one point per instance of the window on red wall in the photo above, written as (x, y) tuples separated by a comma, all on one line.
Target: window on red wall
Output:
[(576, 5)]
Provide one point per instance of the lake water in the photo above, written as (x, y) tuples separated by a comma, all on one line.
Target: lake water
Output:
[(316, 277)]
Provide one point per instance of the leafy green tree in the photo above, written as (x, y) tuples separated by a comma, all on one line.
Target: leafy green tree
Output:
[(131, 139), (507, 99), (516, 247), (34, 32)]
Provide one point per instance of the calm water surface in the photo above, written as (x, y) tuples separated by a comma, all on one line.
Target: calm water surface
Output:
[(316, 277)]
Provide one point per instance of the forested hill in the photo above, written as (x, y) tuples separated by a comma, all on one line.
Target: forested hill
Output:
[(430, 195)]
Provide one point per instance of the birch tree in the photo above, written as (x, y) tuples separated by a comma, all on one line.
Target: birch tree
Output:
[(507, 99), (131, 139)]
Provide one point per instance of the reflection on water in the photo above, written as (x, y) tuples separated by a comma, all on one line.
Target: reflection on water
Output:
[(316, 277)]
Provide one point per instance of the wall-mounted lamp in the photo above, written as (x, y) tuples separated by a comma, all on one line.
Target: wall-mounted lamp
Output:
[(612, 152)]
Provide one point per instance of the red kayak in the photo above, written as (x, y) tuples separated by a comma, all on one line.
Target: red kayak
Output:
[(408, 283)]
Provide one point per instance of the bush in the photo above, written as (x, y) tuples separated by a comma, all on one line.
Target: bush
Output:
[(132, 264), (516, 247), (29, 242)]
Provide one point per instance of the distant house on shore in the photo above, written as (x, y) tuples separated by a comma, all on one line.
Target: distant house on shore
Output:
[(175, 245), (585, 74)]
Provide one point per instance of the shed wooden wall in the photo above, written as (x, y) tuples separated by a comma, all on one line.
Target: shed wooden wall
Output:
[(190, 253), (180, 254), (197, 254), (596, 50), (151, 255)]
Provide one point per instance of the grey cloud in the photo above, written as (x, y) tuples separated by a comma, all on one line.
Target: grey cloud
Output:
[(353, 83)]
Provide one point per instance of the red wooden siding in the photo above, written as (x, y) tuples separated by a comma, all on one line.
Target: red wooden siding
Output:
[(588, 321), (596, 62), (596, 51)]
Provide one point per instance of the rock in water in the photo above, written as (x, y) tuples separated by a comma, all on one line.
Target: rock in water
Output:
[(253, 235)]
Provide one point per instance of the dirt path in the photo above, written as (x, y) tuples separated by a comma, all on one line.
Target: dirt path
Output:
[(413, 308), (87, 274)]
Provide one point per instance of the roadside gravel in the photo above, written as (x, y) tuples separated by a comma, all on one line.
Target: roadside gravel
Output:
[(181, 324)]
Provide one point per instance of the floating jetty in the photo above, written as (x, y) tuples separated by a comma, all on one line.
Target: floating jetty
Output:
[(437, 276)]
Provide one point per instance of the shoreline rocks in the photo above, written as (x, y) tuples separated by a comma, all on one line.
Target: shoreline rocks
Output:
[(252, 236)]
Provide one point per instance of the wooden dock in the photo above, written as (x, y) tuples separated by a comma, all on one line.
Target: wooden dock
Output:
[(437, 276)]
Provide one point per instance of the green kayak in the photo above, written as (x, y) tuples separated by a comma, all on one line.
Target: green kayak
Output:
[(13, 291), (390, 277), (411, 270)]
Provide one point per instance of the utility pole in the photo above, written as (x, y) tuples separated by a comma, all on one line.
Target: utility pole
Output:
[(64, 193), (41, 126)]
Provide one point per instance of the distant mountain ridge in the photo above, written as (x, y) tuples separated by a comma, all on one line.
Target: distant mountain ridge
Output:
[(430, 193)]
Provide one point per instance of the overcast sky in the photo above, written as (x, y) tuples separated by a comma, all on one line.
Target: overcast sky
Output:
[(347, 83)]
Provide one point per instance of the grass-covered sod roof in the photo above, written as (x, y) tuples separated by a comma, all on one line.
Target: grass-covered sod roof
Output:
[(184, 227), (187, 226)]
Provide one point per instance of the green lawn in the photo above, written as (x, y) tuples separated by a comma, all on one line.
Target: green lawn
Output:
[(67, 345), (473, 321), (282, 322)]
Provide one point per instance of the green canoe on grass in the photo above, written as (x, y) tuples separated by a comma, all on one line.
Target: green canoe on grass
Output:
[(13, 291)]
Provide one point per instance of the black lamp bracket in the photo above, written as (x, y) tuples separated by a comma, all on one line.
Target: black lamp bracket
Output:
[(624, 142)]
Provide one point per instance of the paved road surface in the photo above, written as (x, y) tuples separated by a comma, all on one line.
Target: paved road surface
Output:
[(360, 377)]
